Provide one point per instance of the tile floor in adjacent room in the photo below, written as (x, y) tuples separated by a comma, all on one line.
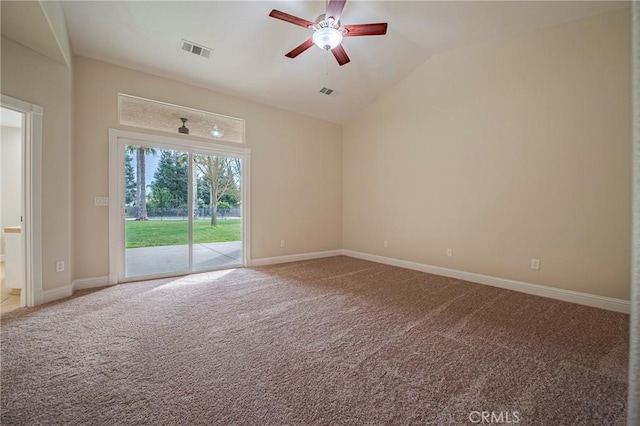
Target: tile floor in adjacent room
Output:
[(10, 304), (12, 301)]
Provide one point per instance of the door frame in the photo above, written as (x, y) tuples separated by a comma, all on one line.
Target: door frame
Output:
[(117, 140), (32, 196)]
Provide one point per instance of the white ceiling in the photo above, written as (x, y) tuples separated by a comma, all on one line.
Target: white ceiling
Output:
[(248, 46)]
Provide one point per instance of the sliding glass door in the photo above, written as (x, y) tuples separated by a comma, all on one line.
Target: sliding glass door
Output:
[(181, 210)]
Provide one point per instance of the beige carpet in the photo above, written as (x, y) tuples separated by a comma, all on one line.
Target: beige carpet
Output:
[(330, 341)]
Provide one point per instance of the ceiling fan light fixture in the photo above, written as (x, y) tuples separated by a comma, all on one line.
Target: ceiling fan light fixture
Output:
[(216, 133), (327, 38)]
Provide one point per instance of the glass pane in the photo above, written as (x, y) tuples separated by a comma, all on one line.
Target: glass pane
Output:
[(217, 224), (156, 223)]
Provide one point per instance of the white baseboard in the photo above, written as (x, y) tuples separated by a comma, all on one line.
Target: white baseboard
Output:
[(85, 283), (56, 293), (112, 278), (38, 297), (603, 302), (295, 257), (47, 296)]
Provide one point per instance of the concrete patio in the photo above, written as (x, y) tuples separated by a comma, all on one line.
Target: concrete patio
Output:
[(166, 259)]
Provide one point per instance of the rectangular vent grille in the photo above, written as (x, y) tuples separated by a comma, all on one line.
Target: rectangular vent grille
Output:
[(326, 91), (196, 49)]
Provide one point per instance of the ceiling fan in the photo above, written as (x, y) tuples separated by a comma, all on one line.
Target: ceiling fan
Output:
[(328, 31)]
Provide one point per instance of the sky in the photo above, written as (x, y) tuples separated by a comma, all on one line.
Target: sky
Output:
[(151, 164)]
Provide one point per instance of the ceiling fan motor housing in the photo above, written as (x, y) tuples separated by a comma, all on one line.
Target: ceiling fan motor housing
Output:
[(321, 22)]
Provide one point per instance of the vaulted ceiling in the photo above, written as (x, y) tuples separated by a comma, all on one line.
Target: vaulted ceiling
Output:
[(248, 46)]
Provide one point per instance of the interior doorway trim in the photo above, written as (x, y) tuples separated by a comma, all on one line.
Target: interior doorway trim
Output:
[(32, 190), (188, 143)]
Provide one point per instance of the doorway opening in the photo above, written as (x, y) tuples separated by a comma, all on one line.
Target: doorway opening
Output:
[(20, 192), (11, 202)]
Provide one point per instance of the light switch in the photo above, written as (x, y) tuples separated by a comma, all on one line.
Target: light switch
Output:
[(101, 201)]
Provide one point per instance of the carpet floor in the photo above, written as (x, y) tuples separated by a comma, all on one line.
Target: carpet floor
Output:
[(327, 341)]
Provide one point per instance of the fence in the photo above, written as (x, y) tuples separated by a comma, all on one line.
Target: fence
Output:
[(180, 212)]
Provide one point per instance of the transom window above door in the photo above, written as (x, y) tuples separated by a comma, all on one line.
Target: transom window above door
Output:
[(178, 120)]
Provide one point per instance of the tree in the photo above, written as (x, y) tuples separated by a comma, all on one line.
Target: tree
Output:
[(130, 180), (223, 208), (173, 174), (222, 175), (141, 189), (214, 167), (203, 196), (195, 190), (229, 183), (211, 168), (231, 198), (161, 198)]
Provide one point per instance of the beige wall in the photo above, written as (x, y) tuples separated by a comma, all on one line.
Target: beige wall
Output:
[(296, 164), (34, 78), (1, 203), (504, 152)]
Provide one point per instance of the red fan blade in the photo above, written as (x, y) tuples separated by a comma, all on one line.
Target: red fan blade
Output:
[(334, 8), (365, 29), (298, 50), (290, 18), (340, 55)]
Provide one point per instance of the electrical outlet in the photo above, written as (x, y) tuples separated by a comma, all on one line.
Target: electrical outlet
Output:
[(60, 266), (535, 264), (449, 252), (386, 244), (282, 243)]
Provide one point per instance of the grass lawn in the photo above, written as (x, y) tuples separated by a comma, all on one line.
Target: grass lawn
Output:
[(152, 233)]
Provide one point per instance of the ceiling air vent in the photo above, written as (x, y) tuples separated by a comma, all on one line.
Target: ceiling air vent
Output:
[(326, 91), (196, 49)]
